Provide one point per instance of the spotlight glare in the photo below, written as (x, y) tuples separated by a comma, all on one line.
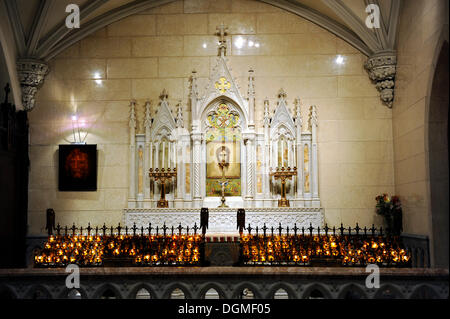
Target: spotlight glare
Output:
[(239, 43), (339, 59)]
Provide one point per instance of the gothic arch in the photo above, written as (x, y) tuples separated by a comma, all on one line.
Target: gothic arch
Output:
[(424, 292), (163, 131), (352, 289), (31, 294), (62, 39), (136, 289), (65, 292), (100, 291), (215, 287), (316, 287), (436, 120), (180, 286), (388, 292), (276, 287), (250, 286), (213, 104)]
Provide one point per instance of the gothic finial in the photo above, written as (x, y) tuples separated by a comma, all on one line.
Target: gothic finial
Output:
[(313, 115), (298, 111), (266, 112), (222, 31), (251, 85), (132, 122), (282, 94), (164, 95), (179, 118), (194, 88), (148, 120)]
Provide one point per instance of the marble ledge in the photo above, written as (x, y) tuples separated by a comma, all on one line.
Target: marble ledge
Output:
[(229, 271), (227, 209)]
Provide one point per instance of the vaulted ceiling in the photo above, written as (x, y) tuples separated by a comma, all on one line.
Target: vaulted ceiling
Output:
[(40, 31)]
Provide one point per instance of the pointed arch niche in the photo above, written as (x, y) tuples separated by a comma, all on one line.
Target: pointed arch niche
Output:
[(223, 123)]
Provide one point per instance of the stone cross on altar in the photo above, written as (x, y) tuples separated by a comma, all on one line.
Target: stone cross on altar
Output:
[(222, 32)]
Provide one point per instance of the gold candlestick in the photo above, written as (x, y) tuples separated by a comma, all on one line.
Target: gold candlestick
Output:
[(162, 176), (283, 174)]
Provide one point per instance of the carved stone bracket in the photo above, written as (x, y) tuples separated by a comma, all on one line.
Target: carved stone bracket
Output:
[(31, 75), (382, 69)]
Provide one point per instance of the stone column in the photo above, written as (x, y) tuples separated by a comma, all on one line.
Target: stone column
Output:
[(147, 151), (251, 99), (163, 161), (196, 161), (300, 160), (180, 171), (291, 165), (132, 167), (267, 151), (31, 75), (250, 161), (156, 184), (314, 163)]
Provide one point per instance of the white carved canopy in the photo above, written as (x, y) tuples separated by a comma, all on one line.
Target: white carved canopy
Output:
[(163, 124), (221, 77), (282, 123)]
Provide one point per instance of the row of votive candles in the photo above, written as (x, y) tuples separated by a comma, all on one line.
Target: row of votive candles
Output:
[(300, 249), (93, 250)]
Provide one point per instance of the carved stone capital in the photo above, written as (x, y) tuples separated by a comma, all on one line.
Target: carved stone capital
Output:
[(196, 137), (382, 68), (31, 76)]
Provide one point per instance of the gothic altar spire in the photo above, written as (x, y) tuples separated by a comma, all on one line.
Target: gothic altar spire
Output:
[(313, 116), (266, 114), (222, 31), (251, 97), (148, 118), (179, 116), (298, 112)]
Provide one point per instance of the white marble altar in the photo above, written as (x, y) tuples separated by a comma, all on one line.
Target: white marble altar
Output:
[(173, 141), (223, 220)]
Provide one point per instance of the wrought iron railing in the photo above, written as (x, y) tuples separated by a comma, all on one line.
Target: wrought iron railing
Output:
[(122, 246), (284, 246)]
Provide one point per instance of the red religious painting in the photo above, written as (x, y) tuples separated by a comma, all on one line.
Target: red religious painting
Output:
[(77, 167)]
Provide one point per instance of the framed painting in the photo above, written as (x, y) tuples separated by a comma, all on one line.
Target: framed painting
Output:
[(77, 168)]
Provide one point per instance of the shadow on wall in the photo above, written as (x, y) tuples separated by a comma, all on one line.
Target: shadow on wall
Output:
[(438, 159)]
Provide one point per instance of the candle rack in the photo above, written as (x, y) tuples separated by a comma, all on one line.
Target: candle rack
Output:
[(284, 246), (122, 246)]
